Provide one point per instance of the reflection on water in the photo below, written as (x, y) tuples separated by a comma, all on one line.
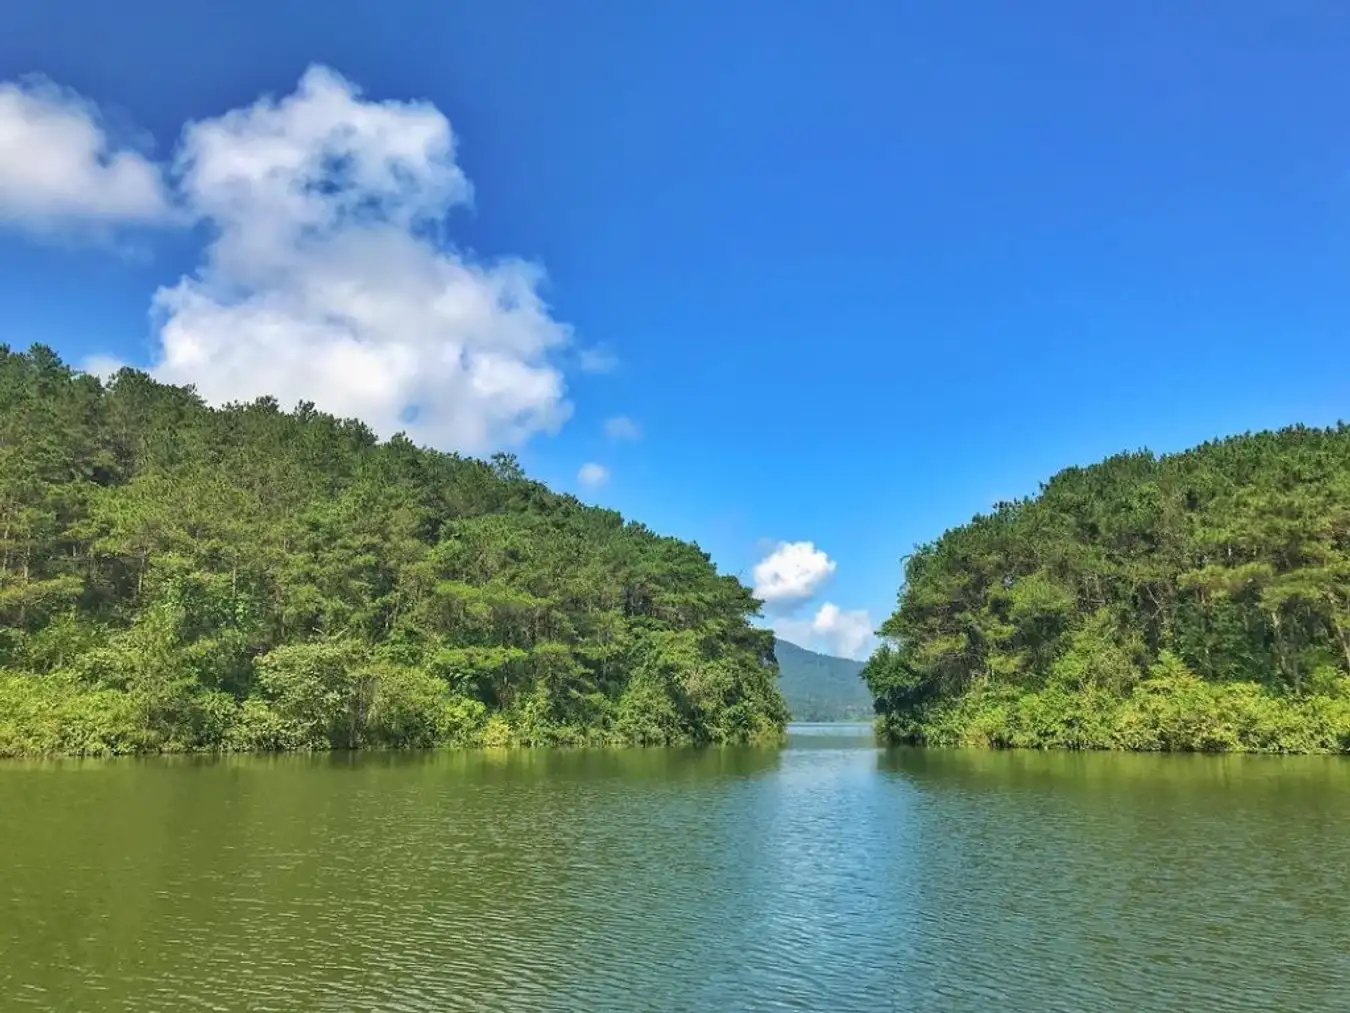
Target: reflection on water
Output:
[(838, 735), (1142, 881), (827, 875)]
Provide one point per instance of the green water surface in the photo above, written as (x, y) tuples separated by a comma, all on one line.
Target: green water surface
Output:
[(828, 875)]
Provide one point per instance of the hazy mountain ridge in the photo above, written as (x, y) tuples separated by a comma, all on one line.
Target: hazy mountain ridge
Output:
[(820, 687)]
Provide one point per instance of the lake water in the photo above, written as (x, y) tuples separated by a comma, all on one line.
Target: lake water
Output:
[(828, 875)]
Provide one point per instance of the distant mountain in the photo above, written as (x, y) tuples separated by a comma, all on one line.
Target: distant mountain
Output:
[(819, 687)]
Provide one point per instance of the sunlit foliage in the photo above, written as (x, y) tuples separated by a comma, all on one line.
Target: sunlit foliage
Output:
[(174, 577), (1198, 601)]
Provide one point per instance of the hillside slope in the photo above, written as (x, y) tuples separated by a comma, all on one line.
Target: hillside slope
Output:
[(818, 687), (1195, 601), (177, 577)]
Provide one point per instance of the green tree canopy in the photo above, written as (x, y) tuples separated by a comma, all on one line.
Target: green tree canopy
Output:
[(1193, 601), (178, 577)]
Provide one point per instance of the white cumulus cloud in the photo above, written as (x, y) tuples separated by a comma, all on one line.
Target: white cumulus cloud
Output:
[(592, 475), (59, 168), (327, 277), (832, 630), (621, 427), (327, 281), (791, 573)]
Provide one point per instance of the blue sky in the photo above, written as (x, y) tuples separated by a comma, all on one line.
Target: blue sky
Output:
[(855, 270)]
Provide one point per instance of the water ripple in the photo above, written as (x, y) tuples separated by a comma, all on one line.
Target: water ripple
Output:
[(827, 876)]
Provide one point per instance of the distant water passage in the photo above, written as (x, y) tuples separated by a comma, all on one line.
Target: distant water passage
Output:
[(829, 875)]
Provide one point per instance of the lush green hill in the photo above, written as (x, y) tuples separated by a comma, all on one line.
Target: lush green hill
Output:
[(1195, 601), (819, 687), (174, 577)]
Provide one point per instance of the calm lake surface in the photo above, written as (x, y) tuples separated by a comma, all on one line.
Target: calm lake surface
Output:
[(828, 875)]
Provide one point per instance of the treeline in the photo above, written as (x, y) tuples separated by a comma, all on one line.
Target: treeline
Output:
[(175, 577), (1197, 601)]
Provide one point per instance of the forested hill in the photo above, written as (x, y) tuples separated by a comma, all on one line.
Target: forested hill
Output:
[(1195, 601), (819, 687), (174, 577)]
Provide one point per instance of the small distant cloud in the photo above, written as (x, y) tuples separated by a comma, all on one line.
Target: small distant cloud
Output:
[(105, 367), (791, 573), (621, 428), (592, 475), (597, 360), (846, 634)]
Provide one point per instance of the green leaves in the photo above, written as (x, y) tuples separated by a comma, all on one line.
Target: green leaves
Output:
[(248, 578), (1037, 624), (320, 692)]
